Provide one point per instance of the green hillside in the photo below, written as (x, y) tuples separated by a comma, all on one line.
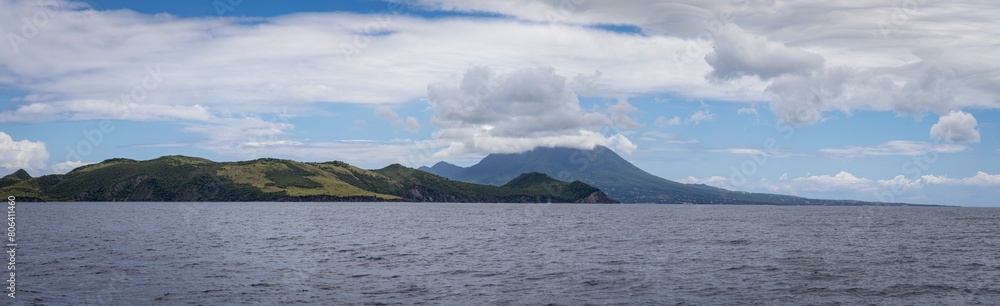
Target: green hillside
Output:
[(182, 178), (428, 187)]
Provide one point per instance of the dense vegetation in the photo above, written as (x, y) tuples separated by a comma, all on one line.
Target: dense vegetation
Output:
[(181, 178)]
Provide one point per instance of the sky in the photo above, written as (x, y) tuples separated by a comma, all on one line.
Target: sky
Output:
[(869, 100)]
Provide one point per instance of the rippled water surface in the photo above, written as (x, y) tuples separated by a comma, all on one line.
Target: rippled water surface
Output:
[(405, 253)]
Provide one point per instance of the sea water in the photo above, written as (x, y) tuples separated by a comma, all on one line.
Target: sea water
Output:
[(504, 254)]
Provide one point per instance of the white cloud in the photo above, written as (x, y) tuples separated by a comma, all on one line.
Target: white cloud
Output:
[(663, 121), (738, 54), (486, 112), (980, 189), (700, 116), (696, 118), (368, 154), (896, 147), (752, 151), (67, 166), (839, 181), (245, 137), (412, 125), (376, 154), (620, 114), (22, 154), (387, 113), (927, 85), (911, 66), (215, 62), (747, 111), (713, 180), (981, 179), (101, 109), (740, 151), (663, 137), (939, 60), (956, 126), (32, 156)]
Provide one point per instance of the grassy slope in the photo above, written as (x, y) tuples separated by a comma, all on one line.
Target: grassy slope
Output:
[(295, 179), (180, 178)]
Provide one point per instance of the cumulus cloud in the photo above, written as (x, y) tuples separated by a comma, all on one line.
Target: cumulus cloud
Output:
[(22, 154), (199, 68), (487, 112), (211, 66), (216, 62), (31, 156), (663, 121), (699, 116), (802, 100), (747, 111), (412, 125), (813, 185), (738, 54), (620, 114), (956, 126), (387, 113), (912, 89), (981, 179), (841, 180)]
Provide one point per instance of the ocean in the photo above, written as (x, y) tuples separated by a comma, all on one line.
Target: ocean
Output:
[(503, 254)]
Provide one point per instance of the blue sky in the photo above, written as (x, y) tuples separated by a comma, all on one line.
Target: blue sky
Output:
[(889, 104)]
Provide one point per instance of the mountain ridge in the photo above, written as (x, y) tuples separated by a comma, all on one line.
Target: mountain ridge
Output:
[(619, 179), (183, 178)]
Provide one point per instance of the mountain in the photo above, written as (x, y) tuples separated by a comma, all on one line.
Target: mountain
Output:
[(13, 178), (619, 179), (442, 169), (182, 178), (528, 188)]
